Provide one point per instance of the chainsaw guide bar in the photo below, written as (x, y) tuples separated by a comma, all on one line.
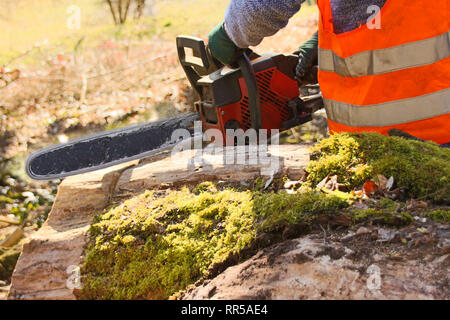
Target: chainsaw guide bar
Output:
[(108, 148)]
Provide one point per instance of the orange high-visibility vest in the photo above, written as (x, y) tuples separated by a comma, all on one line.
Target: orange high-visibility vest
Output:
[(397, 76)]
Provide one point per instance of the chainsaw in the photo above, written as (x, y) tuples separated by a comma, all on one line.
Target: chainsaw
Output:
[(260, 93)]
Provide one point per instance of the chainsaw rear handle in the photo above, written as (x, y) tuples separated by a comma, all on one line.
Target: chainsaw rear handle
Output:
[(199, 64), (199, 60)]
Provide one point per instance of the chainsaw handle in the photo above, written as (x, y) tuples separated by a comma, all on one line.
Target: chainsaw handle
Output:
[(199, 59), (252, 89), (199, 64)]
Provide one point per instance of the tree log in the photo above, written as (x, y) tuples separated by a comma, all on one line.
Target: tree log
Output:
[(44, 269)]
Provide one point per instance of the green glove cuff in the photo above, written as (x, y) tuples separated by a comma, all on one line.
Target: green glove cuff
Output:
[(221, 46), (310, 45), (307, 58)]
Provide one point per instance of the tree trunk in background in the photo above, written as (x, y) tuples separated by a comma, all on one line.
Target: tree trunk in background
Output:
[(112, 11), (120, 9), (140, 6)]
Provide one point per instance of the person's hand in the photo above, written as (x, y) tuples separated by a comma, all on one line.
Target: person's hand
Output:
[(305, 71), (222, 47)]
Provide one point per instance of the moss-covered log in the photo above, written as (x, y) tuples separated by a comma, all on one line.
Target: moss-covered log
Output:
[(174, 230), (173, 240)]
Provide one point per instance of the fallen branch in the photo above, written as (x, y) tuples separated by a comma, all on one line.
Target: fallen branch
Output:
[(20, 55), (9, 221), (12, 238)]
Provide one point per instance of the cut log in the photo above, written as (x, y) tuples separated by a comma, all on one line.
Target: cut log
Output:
[(43, 270)]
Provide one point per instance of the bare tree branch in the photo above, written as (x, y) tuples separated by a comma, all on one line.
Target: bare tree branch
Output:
[(112, 11), (120, 8), (126, 10)]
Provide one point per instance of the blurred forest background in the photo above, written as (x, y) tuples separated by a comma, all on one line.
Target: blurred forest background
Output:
[(73, 67)]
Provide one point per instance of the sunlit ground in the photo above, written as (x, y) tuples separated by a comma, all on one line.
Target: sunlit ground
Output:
[(41, 26)]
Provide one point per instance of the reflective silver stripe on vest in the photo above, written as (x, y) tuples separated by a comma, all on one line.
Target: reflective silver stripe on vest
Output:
[(373, 62), (389, 113)]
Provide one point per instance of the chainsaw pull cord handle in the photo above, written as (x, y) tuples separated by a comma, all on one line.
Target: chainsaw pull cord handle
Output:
[(252, 89)]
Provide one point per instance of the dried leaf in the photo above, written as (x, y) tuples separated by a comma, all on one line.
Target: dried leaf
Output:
[(416, 204), (382, 181), (389, 183), (268, 182), (370, 187)]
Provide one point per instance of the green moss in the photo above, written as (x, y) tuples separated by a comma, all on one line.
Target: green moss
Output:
[(347, 196), (423, 168), (204, 186), (5, 199), (439, 215), (383, 216), (259, 184), (280, 209), (151, 247), (386, 203)]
